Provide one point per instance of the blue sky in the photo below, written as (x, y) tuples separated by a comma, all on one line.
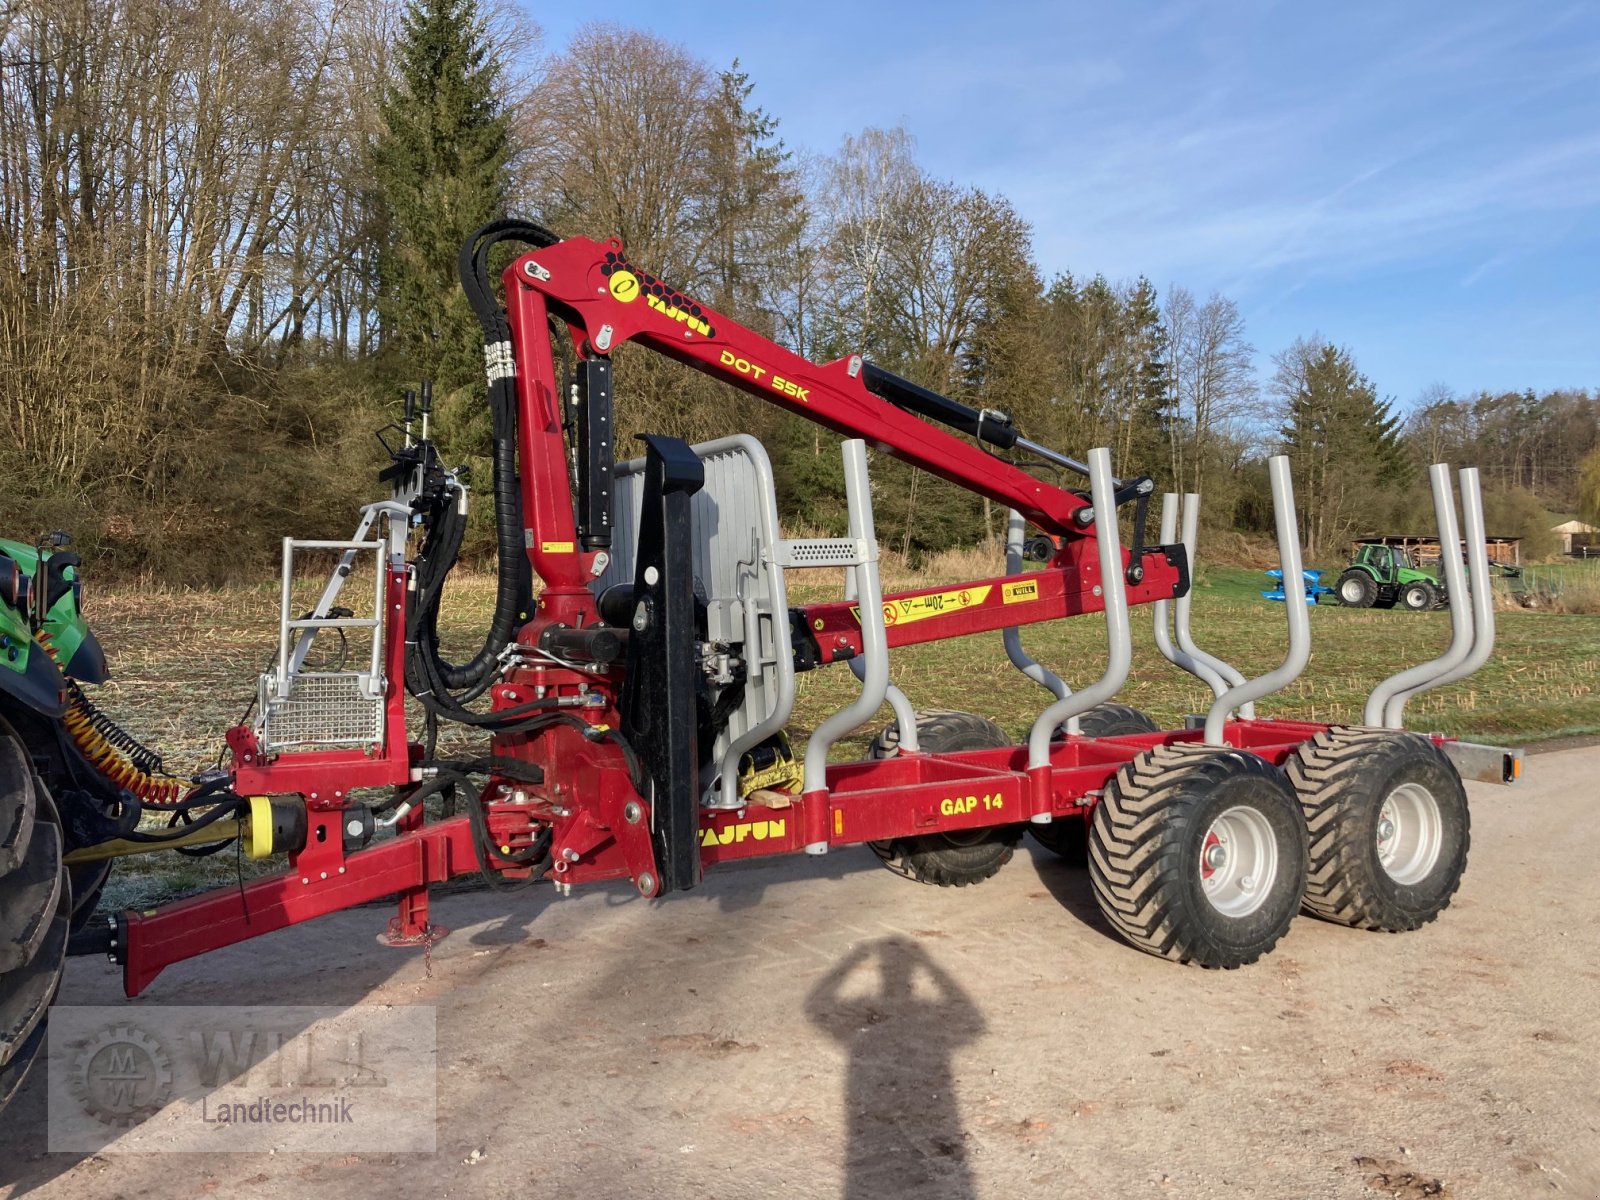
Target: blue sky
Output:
[(1417, 181)]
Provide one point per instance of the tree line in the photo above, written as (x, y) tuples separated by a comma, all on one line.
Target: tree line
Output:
[(228, 236)]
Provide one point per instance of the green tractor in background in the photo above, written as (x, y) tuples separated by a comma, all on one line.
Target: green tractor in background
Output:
[(1381, 575)]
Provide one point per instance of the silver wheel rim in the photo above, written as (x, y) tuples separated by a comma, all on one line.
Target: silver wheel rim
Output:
[(1351, 591), (1238, 862), (1410, 833)]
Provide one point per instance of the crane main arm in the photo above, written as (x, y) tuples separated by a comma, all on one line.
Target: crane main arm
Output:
[(605, 301)]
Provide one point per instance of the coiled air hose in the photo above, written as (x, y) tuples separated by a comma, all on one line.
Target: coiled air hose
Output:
[(112, 750)]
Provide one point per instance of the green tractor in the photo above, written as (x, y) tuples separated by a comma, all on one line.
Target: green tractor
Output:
[(65, 771), (1380, 575)]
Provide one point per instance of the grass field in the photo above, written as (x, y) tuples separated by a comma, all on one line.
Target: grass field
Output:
[(185, 665)]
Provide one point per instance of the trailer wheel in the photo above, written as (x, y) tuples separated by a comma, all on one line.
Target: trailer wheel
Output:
[(35, 908), (1069, 838), (1356, 589), (1389, 826), (1199, 855), (947, 859), (1419, 596)]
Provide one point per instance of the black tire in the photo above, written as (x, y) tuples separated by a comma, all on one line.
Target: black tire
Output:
[(1419, 597), (947, 859), (942, 731), (1356, 589), (35, 910), (1069, 837), (1151, 842), (1115, 720), (1349, 782)]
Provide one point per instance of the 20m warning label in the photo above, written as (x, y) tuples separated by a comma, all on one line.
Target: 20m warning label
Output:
[(937, 604)]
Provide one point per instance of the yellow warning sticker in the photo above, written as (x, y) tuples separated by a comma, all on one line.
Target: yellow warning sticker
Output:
[(1019, 593), (920, 608), (556, 547)]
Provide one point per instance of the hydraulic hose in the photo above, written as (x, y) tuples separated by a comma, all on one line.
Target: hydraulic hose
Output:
[(217, 799), (513, 590), (492, 857)]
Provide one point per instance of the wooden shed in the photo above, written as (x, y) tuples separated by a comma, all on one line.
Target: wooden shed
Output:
[(1578, 539), (1504, 552)]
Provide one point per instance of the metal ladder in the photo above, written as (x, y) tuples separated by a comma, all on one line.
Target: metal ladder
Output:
[(300, 708)]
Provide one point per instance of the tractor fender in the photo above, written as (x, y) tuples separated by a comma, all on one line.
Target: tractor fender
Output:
[(37, 687), (88, 661)]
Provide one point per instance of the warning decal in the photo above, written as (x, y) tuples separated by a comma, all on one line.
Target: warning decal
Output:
[(920, 608)]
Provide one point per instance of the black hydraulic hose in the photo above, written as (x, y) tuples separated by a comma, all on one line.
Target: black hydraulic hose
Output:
[(513, 589), (472, 265), (536, 858), (511, 586), (506, 720), (496, 764), (223, 806)]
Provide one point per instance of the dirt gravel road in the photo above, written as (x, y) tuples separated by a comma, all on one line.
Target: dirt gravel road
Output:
[(821, 1027)]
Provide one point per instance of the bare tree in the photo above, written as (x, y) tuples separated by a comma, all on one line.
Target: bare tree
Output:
[(1213, 383), (618, 135), (632, 135), (863, 197)]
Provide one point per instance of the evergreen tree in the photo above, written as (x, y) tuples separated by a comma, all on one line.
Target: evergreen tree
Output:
[(440, 169), (1147, 401), (1109, 383), (1343, 440), (751, 204)]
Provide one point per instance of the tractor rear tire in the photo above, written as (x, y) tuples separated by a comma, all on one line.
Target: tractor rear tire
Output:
[(947, 859), (1199, 855), (35, 910), (1389, 827), (1069, 837), (1356, 589), (1419, 597)]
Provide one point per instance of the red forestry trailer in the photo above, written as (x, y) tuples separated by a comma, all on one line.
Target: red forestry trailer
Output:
[(640, 670)]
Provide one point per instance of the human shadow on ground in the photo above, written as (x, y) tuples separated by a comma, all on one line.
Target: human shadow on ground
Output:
[(901, 1020)]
